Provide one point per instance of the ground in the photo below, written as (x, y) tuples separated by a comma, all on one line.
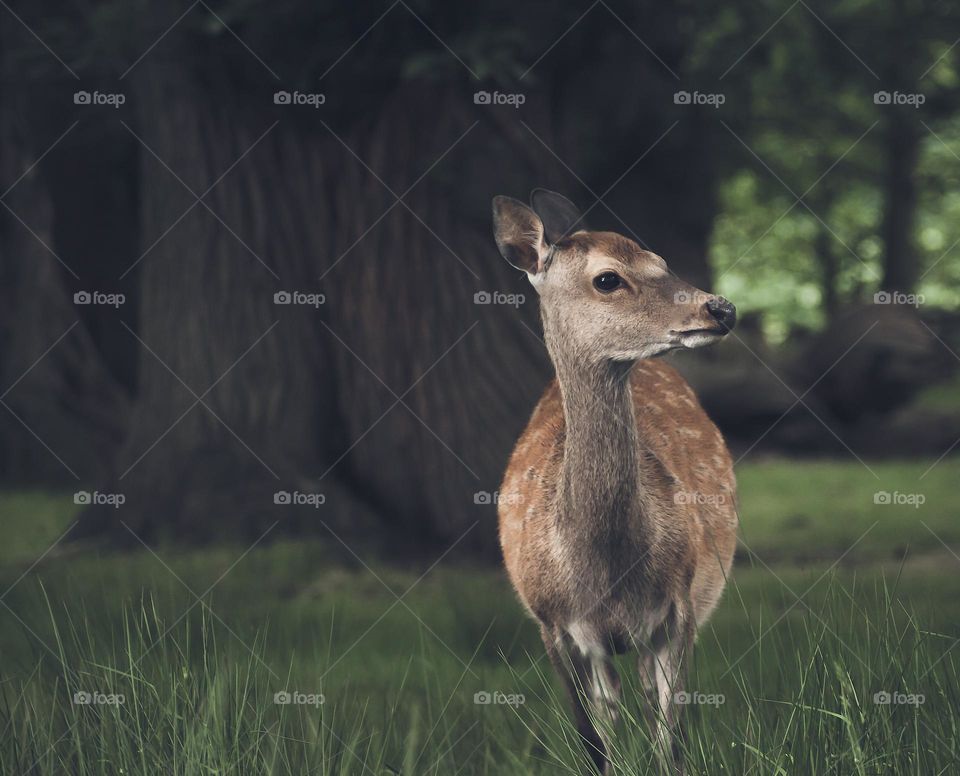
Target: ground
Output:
[(837, 603)]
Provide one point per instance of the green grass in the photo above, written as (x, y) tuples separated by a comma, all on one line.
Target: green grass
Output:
[(800, 511), (943, 396), (798, 677)]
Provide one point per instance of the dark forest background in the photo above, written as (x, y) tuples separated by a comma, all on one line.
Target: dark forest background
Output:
[(827, 175)]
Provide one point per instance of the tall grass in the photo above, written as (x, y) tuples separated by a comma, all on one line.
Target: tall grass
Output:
[(810, 630), (196, 699)]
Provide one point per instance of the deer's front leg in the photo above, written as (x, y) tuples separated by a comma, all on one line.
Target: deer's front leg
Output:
[(594, 688), (669, 667)]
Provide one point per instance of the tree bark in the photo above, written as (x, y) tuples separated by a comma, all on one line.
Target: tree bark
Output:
[(314, 405), (63, 412), (902, 145)]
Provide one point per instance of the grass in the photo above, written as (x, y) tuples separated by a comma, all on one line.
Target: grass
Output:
[(807, 510), (798, 650), (940, 397)]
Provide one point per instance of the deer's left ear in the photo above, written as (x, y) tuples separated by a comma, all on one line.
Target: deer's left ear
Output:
[(519, 235), (559, 215)]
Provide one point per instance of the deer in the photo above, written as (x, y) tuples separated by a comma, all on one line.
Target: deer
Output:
[(617, 512)]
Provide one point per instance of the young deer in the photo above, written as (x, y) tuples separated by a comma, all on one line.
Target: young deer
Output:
[(617, 511)]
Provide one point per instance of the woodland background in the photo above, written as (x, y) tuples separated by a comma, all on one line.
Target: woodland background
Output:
[(198, 198)]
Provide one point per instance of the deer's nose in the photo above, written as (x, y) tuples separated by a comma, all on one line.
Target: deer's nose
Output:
[(724, 312)]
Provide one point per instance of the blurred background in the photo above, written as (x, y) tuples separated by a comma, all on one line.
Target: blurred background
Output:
[(186, 164), (250, 295)]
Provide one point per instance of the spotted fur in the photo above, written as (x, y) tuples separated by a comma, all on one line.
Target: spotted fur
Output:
[(618, 511)]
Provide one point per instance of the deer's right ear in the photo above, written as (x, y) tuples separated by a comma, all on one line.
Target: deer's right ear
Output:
[(519, 235)]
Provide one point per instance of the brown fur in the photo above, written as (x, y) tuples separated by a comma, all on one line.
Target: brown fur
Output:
[(670, 420), (618, 509)]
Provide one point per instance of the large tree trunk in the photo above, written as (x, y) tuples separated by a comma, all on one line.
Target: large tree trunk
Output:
[(236, 399), (399, 398), (63, 412), (304, 407), (475, 371)]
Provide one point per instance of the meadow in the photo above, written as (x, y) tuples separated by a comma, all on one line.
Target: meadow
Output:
[(833, 651)]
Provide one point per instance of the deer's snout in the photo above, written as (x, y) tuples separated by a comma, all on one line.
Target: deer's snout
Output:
[(723, 312)]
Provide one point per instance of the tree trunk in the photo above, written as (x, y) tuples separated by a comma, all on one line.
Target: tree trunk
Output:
[(400, 397), (235, 399), (902, 144), (296, 401), (63, 412), (826, 256)]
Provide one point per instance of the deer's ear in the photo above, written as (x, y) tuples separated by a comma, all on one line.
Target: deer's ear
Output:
[(559, 215), (519, 235)]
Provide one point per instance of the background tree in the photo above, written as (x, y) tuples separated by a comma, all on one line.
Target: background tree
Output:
[(200, 199)]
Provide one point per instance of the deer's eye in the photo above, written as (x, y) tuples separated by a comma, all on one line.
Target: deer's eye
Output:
[(607, 282)]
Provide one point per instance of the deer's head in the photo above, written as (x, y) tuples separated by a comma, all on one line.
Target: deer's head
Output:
[(601, 295)]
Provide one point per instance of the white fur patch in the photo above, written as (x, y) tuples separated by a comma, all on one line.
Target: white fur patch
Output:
[(585, 637)]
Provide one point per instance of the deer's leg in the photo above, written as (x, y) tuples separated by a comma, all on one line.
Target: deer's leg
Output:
[(604, 689), (647, 670), (670, 661), (593, 686)]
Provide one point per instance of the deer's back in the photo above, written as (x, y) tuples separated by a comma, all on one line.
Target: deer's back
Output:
[(688, 477)]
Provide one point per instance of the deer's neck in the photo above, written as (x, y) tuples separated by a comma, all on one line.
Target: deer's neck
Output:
[(600, 492)]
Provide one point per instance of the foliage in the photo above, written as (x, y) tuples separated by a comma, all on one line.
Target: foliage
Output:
[(799, 82)]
